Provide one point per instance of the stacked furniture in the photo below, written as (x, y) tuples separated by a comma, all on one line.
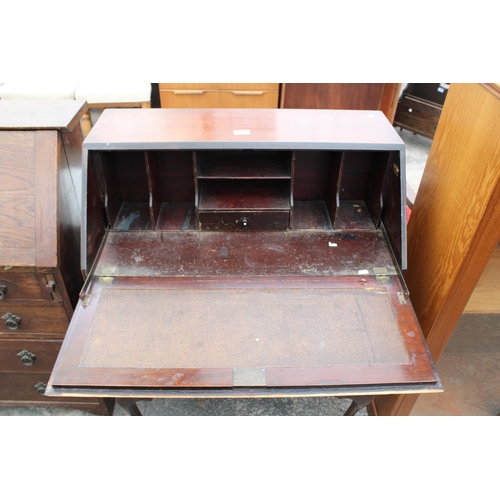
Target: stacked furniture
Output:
[(40, 218)]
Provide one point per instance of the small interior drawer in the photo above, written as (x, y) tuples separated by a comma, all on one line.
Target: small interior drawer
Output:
[(28, 355), (33, 319), (244, 221)]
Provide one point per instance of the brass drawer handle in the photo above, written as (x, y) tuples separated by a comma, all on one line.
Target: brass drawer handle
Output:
[(40, 388), (27, 358), (12, 321), (3, 291)]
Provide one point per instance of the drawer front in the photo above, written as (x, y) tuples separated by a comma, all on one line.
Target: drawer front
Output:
[(16, 319), (248, 99), (19, 286), (26, 387), (244, 221), (28, 356), (189, 98)]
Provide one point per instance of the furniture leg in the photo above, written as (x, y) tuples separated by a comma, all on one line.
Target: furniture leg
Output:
[(130, 406), (358, 403)]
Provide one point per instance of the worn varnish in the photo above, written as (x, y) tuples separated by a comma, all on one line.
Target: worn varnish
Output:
[(268, 241)]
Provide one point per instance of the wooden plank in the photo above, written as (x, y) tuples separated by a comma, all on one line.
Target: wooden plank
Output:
[(47, 154), (455, 223)]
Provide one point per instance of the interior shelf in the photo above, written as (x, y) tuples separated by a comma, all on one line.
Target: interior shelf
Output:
[(256, 165), (255, 195)]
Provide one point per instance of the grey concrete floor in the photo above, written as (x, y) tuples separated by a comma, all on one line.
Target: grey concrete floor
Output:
[(417, 150)]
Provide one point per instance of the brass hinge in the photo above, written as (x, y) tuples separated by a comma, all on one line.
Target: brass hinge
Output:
[(249, 377)]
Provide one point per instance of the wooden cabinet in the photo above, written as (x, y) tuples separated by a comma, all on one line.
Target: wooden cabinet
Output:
[(374, 96), (420, 107), (40, 218), (243, 253), (219, 95)]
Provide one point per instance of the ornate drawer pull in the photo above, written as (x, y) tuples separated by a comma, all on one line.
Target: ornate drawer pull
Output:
[(27, 358), (3, 291), (12, 321), (40, 388)]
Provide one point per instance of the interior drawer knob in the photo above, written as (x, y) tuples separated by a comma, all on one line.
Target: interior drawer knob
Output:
[(40, 388), (27, 358), (245, 222), (3, 291), (12, 321)]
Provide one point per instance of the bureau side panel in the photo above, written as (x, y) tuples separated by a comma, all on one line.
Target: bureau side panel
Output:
[(17, 198), (46, 159)]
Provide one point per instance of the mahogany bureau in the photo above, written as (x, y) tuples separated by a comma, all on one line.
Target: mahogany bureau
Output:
[(243, 253), (40, 277)]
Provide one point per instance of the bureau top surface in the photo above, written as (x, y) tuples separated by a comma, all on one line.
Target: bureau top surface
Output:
[(43, 114), (290, 129)]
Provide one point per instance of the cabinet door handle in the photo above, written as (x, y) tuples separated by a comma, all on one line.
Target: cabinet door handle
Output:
[(188, 92), (27, 358), (12, 321), (248, 92), (3, 291)]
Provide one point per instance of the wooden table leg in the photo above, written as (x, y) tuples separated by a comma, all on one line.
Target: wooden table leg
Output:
[(358, 403), (130, 405)]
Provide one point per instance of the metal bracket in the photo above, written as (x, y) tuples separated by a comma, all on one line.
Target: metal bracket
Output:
[(83, 293), (406, 292), (249, 377)]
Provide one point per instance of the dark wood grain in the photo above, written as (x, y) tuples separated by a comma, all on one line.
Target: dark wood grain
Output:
[(75, 370), (232, 227), (270, 129), (350, 96)]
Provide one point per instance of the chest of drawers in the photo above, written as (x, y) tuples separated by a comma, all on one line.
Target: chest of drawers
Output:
[(40, 277)]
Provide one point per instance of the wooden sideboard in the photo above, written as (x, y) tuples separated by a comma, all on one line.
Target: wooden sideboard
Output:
[(420, 107), (375, 96), (219, 95), (40, 218), (243, 253)]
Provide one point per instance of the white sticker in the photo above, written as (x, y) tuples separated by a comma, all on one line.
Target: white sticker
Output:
[(440, 89), (363, 271), (330, 244), (241, 132)]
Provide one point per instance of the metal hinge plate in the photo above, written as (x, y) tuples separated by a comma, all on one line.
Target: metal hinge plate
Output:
[(249, 377)]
